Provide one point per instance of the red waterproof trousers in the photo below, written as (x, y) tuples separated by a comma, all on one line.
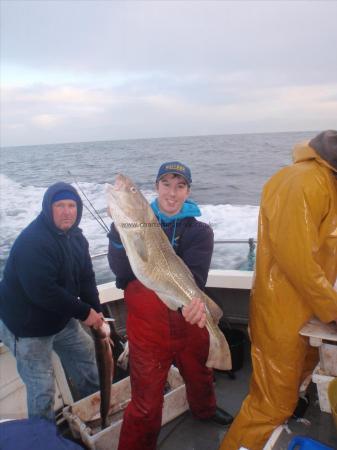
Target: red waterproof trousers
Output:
[(157, 337)]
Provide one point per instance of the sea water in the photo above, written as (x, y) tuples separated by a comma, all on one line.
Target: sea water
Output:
[(228, 173)]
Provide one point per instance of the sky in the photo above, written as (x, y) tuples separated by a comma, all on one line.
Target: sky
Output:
[(76, 71)]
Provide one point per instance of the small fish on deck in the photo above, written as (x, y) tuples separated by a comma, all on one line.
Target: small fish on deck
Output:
[(105, 367)]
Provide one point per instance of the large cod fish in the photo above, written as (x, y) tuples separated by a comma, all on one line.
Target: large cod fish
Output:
[(155, 263)]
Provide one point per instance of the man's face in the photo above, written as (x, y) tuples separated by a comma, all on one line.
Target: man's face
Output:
[(172, 190), (64, 214)]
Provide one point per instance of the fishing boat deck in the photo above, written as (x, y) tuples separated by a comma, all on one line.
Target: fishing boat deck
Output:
[(188, 433)]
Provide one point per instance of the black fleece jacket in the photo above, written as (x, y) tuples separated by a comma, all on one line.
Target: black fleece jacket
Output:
[(48, 278), (193, 243)]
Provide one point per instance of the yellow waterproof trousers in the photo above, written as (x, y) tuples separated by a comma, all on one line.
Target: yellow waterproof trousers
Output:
[(263, 409)]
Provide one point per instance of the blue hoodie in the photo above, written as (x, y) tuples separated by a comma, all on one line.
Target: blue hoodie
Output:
[(48, 278), (191, 239)]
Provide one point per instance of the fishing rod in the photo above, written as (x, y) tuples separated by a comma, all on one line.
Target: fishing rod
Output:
[(102, 224), (97, 217)]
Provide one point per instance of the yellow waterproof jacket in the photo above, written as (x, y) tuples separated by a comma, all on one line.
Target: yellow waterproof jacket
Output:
[(297, 253)]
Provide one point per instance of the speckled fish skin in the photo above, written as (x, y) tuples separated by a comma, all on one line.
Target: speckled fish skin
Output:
[(105, 367), (155, 263)]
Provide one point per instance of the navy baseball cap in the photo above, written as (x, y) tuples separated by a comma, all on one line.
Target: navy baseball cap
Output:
[(177, 168)]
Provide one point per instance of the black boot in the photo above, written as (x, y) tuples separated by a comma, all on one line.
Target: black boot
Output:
[(221, 417), (302, 405)]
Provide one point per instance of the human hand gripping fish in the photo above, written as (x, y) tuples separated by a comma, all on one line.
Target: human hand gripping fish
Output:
[(195, 313), (156, 265)]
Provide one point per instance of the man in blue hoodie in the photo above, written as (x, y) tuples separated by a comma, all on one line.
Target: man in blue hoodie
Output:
[(157, 335), (48, 286)]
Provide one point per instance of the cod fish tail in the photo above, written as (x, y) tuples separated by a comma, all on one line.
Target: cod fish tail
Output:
[(219, 356)]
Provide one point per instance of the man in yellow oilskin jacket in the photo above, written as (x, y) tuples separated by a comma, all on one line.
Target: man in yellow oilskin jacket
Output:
[(296, 269)]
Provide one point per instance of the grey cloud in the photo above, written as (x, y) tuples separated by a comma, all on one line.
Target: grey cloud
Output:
[(166, 68), (183, 36), (49, 114)]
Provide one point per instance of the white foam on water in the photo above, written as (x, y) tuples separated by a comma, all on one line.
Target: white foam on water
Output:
[(20, 204), (231, 222)]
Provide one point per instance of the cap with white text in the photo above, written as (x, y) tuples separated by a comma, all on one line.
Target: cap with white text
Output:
[(175, 167)]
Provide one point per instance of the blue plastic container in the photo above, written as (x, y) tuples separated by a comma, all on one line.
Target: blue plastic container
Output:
[(33, 434), (304, 443)]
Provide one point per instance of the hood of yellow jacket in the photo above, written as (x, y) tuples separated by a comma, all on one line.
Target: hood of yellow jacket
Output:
[(304, 152)]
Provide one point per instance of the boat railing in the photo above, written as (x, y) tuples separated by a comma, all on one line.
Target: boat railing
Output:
[(250, 261), (250, 241), (249, 265)]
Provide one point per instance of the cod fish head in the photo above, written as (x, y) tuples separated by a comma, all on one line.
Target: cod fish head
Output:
[(126, 204)]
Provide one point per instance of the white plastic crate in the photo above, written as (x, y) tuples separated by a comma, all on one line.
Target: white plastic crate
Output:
[(328, 358), (84, 420), (322, 382)]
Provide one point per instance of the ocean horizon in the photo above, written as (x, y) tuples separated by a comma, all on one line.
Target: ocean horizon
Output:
[(228, 173)]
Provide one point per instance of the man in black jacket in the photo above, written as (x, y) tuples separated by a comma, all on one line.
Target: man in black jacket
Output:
[(48, 286)]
